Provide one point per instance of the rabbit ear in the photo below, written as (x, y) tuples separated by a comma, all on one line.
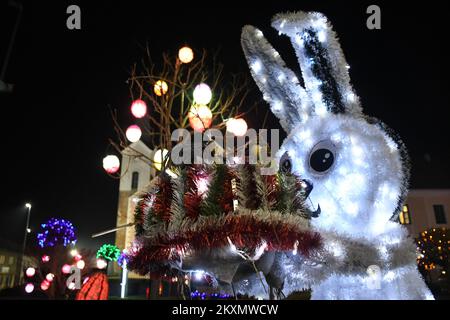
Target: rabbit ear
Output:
[(323, 65), (279, 85)]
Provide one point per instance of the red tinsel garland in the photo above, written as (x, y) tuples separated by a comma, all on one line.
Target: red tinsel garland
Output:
[(226, 199), (192, 198), (163, 199), (244, 231)]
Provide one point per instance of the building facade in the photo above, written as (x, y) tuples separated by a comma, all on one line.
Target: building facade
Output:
[(8, 267), (425, 209)]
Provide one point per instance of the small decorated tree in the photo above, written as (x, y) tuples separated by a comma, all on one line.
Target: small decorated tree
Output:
[(57, 258), (434, 248)]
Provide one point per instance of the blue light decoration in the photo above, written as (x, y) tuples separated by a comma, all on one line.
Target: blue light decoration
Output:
[(56, 232), (122, 258), (203, 295)]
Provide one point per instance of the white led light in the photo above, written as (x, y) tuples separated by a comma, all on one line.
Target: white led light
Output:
[(321, 110), (321, 35), (278, 105), (317, 97), (299, 40), (351, 97), (256, 66)]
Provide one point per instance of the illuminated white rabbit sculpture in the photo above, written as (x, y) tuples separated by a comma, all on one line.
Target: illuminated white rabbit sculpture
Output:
[(355, 168)]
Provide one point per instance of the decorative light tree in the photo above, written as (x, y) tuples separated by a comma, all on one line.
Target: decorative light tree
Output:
[(434, 248), (186, 91), (56, 232), (56, 256)]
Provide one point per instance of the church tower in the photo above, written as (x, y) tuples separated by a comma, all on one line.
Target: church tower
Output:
[(136, 173)]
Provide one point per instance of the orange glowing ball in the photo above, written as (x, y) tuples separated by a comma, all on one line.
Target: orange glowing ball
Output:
[(160, 88), (200, 117)]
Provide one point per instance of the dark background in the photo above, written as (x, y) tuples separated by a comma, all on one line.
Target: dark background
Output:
[(55, 126)]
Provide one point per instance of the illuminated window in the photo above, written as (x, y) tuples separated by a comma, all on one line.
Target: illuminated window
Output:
[(405, 216), (439, 214)]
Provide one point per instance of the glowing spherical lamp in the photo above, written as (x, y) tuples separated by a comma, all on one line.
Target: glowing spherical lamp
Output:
[(200, 117), (101, 264), (160, 88), (133, 133), (111, 164), (159, 157), (202, 94), (185, 54), (45, 285), (65, 269), (45, 258), (81, 264), (238, 127), (139, 108), (29, 288), (49, 277), (30, 272), (71, 286)]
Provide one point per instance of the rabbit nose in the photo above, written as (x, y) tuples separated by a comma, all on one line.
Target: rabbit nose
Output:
[(308, 187)]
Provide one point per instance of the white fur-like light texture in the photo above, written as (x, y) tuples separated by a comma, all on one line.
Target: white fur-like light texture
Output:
[(361, 190)]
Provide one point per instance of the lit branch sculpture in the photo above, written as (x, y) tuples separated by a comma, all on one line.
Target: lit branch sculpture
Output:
[(186, 91)]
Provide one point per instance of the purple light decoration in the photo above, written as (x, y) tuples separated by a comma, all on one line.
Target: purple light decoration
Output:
[(56, 232), (204, 295), (123, 257)]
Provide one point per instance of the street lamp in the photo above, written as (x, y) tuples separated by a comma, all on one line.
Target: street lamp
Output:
[(27, 230)]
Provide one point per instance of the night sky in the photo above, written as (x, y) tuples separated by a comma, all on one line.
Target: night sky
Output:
[(56, 124)]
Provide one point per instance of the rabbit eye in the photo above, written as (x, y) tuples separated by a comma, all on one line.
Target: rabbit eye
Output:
[(285, 163), (322, 157)]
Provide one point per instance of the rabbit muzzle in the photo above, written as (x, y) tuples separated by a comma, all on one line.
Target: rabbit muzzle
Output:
[(308, 185)]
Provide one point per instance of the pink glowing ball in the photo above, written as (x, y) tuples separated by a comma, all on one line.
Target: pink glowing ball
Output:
[(49, 277), (45, 285), (65, 269), (111, 164), (30, 272), (133, 133), (29, 288), (139, 109)]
